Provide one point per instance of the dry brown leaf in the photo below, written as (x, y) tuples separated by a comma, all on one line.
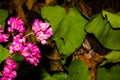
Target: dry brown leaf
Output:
[(29, 4), (55, 64), (19, 10), (89, 57), (86, 61), (93, 74), (18, 2), (85, 9), (91, 62), (47, 2), (20, 13), (54, 55), (37, 7)]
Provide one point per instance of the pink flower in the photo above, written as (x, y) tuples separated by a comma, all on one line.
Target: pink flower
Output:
[(16, 24), (17, 43), (4, 78), (3, 37), (36, 26), (44, 26), (10, 29), (42, 31), (24, 52), (19, 37), (16, 46), (31, 53), (9, 72), (49, 32)]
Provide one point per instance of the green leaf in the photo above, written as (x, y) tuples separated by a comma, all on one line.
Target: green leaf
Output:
[(4, 53), (68, 28), (107, 36), (0, 74), (17, 57), (118, 13), (108, 74), (113, 19), (56, 76), (54, 14), (44, 74), (102, 74), (3, 16), (78, 71), (70, 33), (115, 71), (60, 76), (112, 57)]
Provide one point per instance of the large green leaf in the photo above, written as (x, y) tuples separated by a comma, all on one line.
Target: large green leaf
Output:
[(108, 74), (114, 19), (102, 74), (4, 53), (60, 76), (115, 73), (54, 14), (3, 16), (78, 71), (112, 57), (108, 37), (44, 75), (68, 28), (70, 33)]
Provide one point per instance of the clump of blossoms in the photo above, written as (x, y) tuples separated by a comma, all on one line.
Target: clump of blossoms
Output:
[(16, 24), (9, 72), (17, 43), (3, 37), (29, 51), (42, 31)]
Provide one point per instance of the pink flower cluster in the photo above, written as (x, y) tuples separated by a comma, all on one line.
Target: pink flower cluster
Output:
[(42, 31), (9, 72), (17, 43), (3, 37), (29, 51), (16, 24)]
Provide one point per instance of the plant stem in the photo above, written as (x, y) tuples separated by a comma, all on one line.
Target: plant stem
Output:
[(31, 33)]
